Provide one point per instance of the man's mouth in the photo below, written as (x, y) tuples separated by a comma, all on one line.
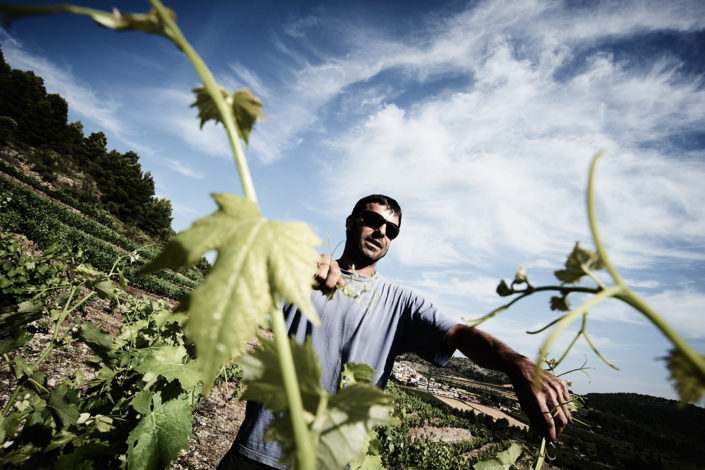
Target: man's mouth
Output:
[(373, 242)]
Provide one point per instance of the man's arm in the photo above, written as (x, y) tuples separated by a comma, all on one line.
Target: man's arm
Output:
[(545, 406)]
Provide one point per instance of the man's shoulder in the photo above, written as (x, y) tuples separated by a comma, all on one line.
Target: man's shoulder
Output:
[(401, 290)]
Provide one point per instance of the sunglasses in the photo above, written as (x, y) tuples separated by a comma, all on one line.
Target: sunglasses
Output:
[(375, 220)]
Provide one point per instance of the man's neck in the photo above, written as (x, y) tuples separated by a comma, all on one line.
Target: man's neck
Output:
[(345, 262)]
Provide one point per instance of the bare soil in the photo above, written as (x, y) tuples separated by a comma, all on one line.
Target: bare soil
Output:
[(448, 434)]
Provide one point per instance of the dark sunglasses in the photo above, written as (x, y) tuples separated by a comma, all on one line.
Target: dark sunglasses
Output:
[(376, 220)]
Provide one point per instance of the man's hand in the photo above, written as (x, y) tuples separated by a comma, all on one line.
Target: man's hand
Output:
[(545, 405), (328, 275)]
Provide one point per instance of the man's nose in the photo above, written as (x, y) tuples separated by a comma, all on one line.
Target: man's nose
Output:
[(383, 229)]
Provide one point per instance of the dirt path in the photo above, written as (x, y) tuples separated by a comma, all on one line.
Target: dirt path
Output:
[(495, 413)]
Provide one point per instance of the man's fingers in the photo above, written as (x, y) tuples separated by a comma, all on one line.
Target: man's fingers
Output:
[(548, 423), (323, 265), (334, 275), (556, 396), (549, 405), (328, 274)]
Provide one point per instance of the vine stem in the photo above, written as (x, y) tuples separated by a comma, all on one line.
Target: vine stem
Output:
[(692, 356), (305, 455), (542, 455), (213, 90), (567, 320), (50, 346), (59, 322)]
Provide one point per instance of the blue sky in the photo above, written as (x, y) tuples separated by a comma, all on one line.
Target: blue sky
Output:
[(480, 118)]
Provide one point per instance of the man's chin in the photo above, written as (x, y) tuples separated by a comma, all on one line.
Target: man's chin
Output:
[(372, 256)]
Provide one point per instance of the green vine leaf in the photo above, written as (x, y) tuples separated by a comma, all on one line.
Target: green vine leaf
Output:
[(168, 361), (9, 424), (245, 107), (261, 372), (686, 380), (160, 435), (351, 414), (340, 429), (560, 304), (369, 462), (63, 403), (207, 109), (98, 340), (142, 402), (356, 373), (248, 110), (259, 263), (576, 264), (503, 460), (99, 282)]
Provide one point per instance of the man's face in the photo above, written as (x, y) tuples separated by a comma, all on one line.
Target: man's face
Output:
[(370, 244)]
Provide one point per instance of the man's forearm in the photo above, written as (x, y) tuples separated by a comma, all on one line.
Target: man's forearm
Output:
[(544, 403), (484, 349)]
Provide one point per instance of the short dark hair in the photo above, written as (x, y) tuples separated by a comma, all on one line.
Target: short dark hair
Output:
[(379, 199)]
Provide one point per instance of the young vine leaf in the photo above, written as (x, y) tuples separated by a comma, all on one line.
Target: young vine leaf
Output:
[(207, 108), (341, 429), (168, 361), (502, 461), (246, 108), (369, 462), (160, 435), (356, 373), (577, 262), (351, 414), (63, 403), (690, 388), (560, 303), (99, 341), (262, 374), (259, 263)]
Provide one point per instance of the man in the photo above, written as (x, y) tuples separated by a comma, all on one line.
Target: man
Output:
[(379, 320)]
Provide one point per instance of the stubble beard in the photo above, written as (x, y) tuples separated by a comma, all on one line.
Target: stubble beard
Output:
[(362, 255)]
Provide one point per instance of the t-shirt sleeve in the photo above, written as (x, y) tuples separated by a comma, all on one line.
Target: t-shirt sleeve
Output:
[(426, 329)]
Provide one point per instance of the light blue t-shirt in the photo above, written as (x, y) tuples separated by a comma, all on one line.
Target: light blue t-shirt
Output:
[(375, 324)]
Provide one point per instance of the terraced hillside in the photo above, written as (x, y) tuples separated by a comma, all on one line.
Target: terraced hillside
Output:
[(50, 217)]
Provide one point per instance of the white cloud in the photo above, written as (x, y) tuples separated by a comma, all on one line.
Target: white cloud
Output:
[(249, 79), (502, 164), (458, 284), (296, 28), (183, 209), (683, 309), (185, 170), (170, 109), (99, 107)]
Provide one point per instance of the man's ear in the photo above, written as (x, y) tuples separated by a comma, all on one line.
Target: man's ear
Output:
[(348, 223)]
